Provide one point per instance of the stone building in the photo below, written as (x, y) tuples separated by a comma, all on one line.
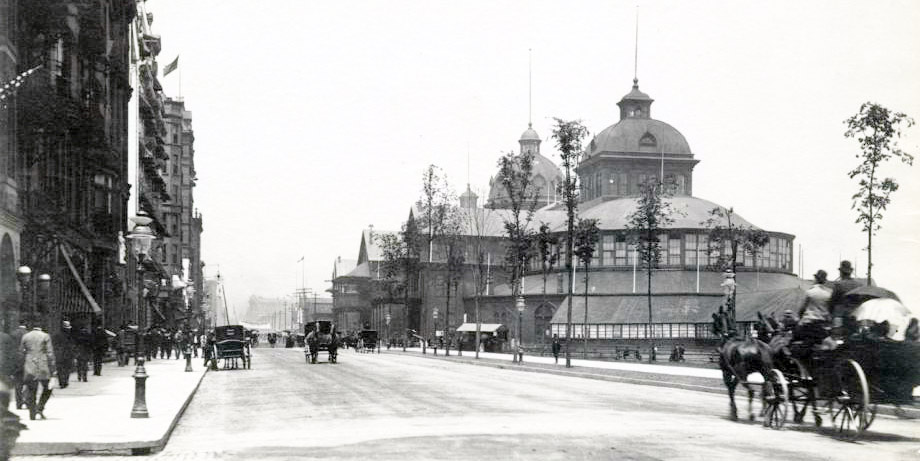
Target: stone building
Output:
[(68, 159)]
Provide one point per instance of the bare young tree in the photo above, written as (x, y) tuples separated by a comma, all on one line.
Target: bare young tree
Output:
[(877, 129), (586, 236), (652, 215), (516, 177), (453, 242), (480, 227), (547, 250), (569, 136), (400, 265), (434, 207), (727, 240)]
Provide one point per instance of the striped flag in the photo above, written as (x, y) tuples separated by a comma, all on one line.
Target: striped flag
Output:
[(171, 66)]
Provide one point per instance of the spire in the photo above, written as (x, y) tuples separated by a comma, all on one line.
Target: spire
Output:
[(636, 53), (529, 88)]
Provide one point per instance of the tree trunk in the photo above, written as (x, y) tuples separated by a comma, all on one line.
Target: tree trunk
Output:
[(584, 328), (447, 315)]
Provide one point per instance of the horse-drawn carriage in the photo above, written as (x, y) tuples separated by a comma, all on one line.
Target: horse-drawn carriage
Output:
[(231, 343), (849, 373), (367, 341), (321, 337)]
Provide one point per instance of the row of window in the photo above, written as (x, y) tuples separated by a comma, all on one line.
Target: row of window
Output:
[(637, 330), (614, 250), (593, 186)]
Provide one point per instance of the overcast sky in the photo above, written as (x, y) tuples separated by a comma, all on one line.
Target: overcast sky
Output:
[(315, 119)]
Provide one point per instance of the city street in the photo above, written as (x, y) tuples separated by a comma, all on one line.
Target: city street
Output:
[(393, 406)]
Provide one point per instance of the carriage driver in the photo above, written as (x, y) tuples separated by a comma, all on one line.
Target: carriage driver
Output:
[(814, 314)]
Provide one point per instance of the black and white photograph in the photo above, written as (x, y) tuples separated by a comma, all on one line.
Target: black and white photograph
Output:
[(459, 230)]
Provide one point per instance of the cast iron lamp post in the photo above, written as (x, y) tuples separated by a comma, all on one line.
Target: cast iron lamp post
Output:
[(434, 315), (141, 237), (387, 317), (520, 343), (31, 292)]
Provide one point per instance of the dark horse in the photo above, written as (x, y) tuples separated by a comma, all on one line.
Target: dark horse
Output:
[(738, 358)]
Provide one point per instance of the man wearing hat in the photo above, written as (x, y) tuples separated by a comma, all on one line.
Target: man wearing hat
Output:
[(814, 313), (843, 285), (38, 368), (64, 353)]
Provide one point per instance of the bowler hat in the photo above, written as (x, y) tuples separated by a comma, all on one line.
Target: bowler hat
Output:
[(66, 325), (821, 274), (845, 267)]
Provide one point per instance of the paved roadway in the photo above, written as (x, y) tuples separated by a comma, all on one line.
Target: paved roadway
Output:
[(392, 406)]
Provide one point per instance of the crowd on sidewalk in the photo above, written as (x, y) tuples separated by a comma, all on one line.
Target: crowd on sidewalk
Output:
[(34, 362)]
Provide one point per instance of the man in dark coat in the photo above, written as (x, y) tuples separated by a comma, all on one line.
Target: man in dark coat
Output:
[(16, 377), (557, 347), (64, 353), (84, 345), (838, 303), (100, 348)]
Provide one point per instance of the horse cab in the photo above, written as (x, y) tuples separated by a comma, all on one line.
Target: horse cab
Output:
[(231, 345)]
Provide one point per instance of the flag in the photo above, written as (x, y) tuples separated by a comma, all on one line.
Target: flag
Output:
[(171, 66), (301, 259)]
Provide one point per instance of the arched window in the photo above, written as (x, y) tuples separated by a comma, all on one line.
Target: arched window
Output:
[(647, 140), (542, 318)]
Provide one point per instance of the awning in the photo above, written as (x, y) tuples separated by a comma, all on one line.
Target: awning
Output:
[(483, 327), (73, 270), (678, 308)]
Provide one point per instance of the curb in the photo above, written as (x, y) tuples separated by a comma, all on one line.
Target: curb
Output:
[(165, 439), (908, 412)]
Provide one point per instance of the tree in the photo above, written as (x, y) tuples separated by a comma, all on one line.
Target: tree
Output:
[(728, 239), (481, 226), (548, 252), (400, 263), (877, 129), (586, 236), (434, 206), (454, 245), (569, 136), (516, 177), (652, 215)]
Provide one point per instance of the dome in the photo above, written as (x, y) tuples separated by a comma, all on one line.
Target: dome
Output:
[(632, 135), (530, 134), (689, 213), (545, 176)]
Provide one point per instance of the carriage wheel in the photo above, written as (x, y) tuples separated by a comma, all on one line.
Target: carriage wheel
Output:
[(873, 408), (776, 399), (849, 409), (801, 392)]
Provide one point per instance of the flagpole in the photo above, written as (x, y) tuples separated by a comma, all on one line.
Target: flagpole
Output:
[(635, 258), (697, 267)]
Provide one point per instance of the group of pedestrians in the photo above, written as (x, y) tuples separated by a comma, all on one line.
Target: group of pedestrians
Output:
[(32, 358), (167, 343)]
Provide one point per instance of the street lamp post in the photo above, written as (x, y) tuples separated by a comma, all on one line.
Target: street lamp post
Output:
[(520, 343), (141, 237), (434, 315), (32, 288), (387, 318)]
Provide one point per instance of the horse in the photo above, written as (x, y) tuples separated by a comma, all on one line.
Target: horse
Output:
[(740, 357)]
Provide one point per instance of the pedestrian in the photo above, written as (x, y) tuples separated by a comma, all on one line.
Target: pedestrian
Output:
[(150, 344), (196, 342), (17, 378), (83, 340), (7, 365), (37, 369), (166, 344), (179, 342), (100, 348), (64, 353), (556, 348), (121, 345)]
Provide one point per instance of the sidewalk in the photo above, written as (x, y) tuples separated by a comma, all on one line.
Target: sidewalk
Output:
[(95, 416), (682, 377)]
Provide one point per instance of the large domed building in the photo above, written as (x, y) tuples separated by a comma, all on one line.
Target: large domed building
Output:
[(686, 288)]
